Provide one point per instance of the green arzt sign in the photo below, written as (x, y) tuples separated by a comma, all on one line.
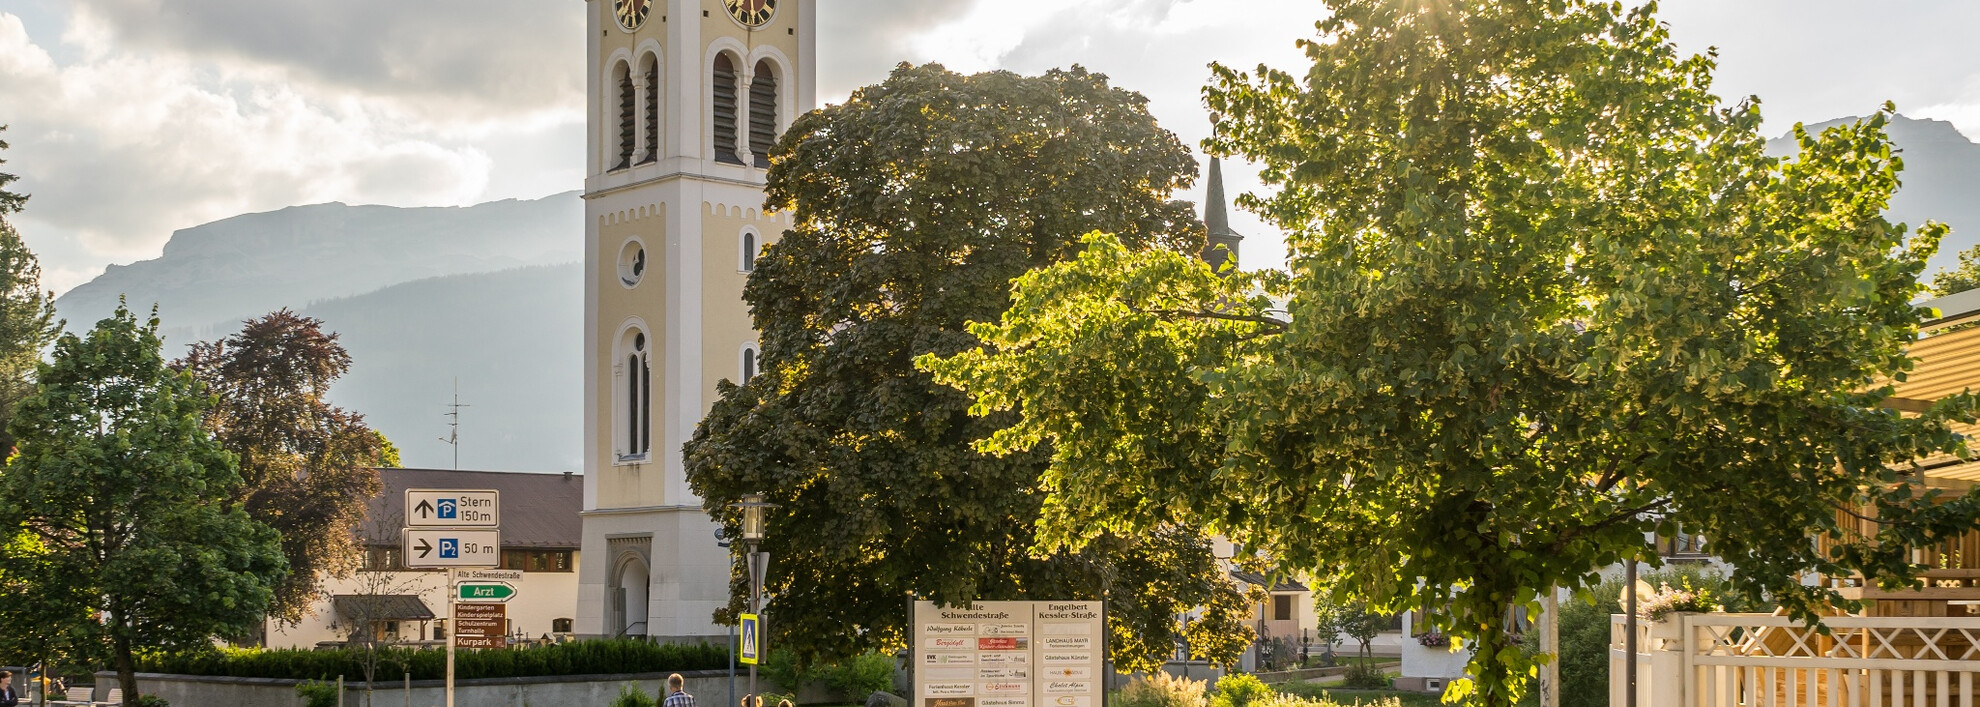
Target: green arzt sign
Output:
[(484, 591)]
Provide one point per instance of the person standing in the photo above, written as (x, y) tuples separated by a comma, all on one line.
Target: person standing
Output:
[(8, 698), (677, 694)]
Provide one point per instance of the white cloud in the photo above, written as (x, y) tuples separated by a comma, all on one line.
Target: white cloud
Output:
[(120, 146)]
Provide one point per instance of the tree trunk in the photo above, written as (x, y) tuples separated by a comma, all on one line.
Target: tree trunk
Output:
[(126, 665)]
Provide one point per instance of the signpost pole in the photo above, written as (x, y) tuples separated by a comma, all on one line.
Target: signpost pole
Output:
[(452, 628)]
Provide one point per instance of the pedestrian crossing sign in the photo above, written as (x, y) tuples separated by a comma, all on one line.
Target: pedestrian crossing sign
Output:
[(749, 642)]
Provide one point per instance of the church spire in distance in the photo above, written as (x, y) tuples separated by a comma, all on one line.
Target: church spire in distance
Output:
[(1218, 221)]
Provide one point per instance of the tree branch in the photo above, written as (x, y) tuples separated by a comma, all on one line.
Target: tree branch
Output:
[(1276, 324)]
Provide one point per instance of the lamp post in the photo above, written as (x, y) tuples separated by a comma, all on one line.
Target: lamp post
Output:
[(752, 506)]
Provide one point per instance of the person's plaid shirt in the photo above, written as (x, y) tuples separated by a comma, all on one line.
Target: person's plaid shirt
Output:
[(679, 699)]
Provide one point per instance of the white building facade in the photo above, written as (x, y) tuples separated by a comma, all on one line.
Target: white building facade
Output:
[(385, 602)]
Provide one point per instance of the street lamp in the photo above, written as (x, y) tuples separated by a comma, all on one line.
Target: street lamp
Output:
[(752, 506)]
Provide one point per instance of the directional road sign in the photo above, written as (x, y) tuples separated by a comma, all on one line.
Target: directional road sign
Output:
[(461, 641), (484, 591), (748, 653), (480, 611), (481, 627), (453, 508), (438, 547)]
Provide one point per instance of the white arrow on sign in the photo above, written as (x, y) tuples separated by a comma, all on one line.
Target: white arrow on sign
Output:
[(453, 508)]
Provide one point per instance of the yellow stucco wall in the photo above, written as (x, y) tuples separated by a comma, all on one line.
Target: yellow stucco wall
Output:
[(725, 317), (622, 485)]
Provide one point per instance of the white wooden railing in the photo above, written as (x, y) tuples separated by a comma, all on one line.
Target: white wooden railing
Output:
[(1761, 660)]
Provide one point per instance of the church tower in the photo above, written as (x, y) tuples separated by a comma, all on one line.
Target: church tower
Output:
[(686, 97), (1218, 220)]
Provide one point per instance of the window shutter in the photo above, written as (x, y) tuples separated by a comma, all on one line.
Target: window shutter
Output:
[(724, 111)]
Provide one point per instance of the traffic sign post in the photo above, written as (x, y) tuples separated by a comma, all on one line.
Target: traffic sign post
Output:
[(460, 531), (751, 630), (446, 548), (481, 626), (433, 508)]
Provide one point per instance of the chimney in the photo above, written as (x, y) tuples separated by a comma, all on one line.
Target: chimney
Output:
[(1218, 221)]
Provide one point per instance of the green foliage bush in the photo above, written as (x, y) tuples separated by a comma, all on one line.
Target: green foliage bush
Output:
[(153, 701), (598, 657), (855, 679), (862, 676), (1363, 675), (1163, 690), (1241, 690), (317, 694), (631, 696)]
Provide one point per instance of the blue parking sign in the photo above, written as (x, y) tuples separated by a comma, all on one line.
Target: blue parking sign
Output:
[(450, 548)]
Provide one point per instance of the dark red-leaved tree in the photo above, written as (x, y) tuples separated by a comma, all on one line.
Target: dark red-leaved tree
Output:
[(308, 466)]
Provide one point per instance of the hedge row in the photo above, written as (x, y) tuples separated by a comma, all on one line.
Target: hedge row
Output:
[(593, 657)]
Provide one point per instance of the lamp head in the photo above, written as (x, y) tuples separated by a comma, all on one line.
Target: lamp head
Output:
[(752, 506)]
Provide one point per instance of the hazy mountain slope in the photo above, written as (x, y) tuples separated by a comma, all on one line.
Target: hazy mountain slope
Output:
[(513, 338), (228, 270), (1941, 181)]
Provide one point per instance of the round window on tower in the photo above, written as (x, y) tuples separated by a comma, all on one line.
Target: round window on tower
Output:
[(632, 262)]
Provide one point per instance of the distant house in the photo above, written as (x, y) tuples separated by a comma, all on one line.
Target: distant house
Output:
[(386, 602)]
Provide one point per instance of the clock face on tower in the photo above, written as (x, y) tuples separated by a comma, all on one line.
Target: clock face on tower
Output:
[(631, 13), (751, 13)]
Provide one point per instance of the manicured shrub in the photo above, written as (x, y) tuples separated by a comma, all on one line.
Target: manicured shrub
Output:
[(597, 657)]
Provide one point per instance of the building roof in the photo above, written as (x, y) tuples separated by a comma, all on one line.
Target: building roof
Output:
[(1258, 580), (538, 510), (382, 607)]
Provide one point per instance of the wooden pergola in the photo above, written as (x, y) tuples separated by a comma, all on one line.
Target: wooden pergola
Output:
[(1947, 362)]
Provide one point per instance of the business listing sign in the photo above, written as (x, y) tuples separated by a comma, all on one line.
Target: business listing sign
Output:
[(1010, 654)]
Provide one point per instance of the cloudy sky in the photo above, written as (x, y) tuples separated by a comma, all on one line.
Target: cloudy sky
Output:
[(132, 118)]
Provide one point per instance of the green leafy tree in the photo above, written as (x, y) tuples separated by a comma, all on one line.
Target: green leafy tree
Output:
[(1351, 619), (27, 313), (1959, 279), (308, 467), (127, 497), (1545, 296), (915, 202)]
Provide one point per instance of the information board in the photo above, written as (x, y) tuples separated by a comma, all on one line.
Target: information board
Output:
[(1010, 654)]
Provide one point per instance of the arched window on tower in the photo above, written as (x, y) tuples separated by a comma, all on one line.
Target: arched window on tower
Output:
[(763, 112), (622, 78), (638, 398), (748, 363), (651, 77), (747, 252), (723, 125)]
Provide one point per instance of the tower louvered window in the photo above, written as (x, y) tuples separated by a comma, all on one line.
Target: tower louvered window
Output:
[(725, 110), (652, 112), (762, 113), (625, 117)]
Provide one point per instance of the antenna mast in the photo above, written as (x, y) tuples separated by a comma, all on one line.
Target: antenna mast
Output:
[(453, 437)]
